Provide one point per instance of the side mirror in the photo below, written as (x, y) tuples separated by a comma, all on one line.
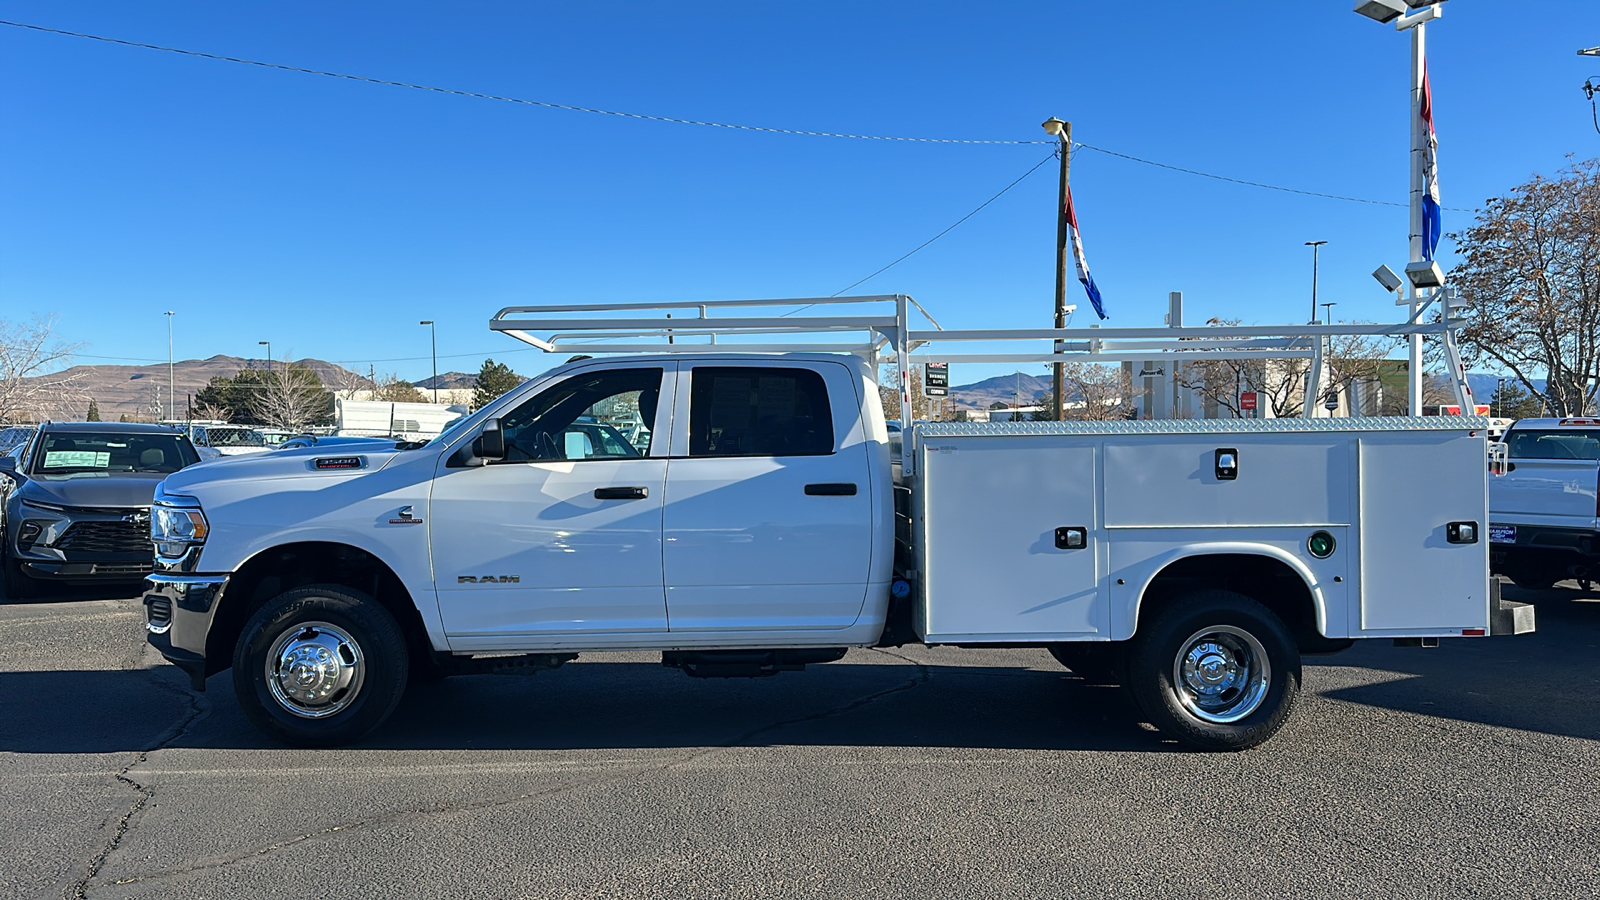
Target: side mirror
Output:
[(491, 444), (8, 465)]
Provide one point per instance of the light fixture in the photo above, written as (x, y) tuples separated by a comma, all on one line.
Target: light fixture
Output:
[(1381, 10), (1425, 274), (1053, 126), (1387, 277)]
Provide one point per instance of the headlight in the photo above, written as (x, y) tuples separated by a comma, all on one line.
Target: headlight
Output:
[(177, 525), (46, 507)]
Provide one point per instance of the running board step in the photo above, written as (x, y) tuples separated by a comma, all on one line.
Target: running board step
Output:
[(747, 663)]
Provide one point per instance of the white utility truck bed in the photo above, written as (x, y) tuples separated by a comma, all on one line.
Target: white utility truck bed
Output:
[(738, 508)]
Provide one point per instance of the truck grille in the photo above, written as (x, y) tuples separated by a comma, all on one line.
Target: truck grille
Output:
[(106, 537)]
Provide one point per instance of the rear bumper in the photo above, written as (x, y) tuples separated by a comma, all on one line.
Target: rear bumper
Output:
[(179, 610)]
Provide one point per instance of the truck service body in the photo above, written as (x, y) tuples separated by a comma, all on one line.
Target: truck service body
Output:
[(761, 523)]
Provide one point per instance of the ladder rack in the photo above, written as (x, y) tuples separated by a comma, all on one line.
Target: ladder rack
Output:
[(742, 326)]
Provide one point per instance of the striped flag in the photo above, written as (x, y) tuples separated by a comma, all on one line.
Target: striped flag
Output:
[(1432, 221), (1077, 255)]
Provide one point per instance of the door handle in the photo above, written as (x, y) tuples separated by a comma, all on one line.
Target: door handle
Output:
[(621, 493), (831, 490)]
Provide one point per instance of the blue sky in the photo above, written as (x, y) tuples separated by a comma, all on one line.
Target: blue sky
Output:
[(330, 216)]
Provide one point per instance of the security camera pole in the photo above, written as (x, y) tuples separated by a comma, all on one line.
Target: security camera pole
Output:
[(1062, 130)]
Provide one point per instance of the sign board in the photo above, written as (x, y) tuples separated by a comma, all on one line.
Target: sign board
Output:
[(1451, 409), (936, 380), (1247, 401)]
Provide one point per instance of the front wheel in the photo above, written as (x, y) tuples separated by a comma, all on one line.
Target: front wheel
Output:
[(1215, 670), (320, 666)]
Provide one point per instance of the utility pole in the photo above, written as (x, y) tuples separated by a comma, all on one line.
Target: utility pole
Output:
[(171, 379), (1316, 248), (1062, 130), (433, 336)]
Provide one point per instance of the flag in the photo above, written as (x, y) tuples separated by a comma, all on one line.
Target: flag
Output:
[(1432, 222), (1077, 255)]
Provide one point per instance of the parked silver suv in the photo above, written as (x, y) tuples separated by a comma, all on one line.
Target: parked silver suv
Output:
[(77, 502)]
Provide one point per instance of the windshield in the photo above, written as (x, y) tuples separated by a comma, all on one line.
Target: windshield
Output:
[(74, 453)]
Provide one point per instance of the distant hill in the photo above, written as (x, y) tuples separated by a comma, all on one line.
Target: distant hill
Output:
[(449, 381), (1017, 388), (134, 391)]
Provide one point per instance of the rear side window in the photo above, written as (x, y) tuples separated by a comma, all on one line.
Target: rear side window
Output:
[(1564, 444), (759, 411)]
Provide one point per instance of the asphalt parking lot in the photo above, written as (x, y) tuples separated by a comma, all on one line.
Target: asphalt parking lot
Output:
[(1469, 770)]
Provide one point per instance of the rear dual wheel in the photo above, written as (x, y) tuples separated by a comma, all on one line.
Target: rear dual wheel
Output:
[(1215, 670)]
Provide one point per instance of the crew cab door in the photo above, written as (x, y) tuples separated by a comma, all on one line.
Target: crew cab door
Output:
[(563, 536), (768, 521)]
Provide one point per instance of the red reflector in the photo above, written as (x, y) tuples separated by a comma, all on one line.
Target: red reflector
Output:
[(1473, 632)]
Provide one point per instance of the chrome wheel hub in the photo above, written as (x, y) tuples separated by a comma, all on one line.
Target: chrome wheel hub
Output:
[(315, 669), (1222, 674)]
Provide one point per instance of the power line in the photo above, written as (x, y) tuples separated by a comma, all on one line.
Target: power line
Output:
[(704, 124), (504, 99), (942, 233)]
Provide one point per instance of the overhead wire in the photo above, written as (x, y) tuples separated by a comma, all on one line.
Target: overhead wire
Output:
[(697, 122)]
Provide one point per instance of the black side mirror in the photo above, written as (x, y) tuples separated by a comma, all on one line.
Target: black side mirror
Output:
[(491, 444)]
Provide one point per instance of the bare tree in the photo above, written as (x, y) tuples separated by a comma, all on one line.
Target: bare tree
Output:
[(1280, 384), (889, 390), (292, 397), (212, 412), (1530, 278), (1096, 393), (28, 389), (392, 389)]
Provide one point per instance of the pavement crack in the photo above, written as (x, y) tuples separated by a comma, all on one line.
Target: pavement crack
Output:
[(923, 674), (142, 794)]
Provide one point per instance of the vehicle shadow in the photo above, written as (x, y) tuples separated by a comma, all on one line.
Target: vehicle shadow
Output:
[(1541, 682), (608, 705)]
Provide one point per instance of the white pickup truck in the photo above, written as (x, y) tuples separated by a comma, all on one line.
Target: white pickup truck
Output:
[(1544, 502), (759, 523)]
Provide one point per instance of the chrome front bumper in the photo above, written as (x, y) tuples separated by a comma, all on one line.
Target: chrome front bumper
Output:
[(178, 613)]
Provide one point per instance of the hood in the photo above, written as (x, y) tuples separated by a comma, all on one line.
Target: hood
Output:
[(91, 489), (283, 464)]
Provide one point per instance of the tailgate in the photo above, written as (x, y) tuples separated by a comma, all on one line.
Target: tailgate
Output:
[(1555, 492)]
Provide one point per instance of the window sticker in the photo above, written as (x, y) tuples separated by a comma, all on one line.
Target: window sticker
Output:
[(76, 459)]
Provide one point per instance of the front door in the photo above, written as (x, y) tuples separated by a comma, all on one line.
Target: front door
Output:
[(768, 521), (563, 536)]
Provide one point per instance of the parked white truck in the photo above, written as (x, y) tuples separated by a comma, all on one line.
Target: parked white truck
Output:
[(1544, 502), (759, 523)]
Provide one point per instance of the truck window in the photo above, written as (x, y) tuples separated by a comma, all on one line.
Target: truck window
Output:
[(1553, 445), (758, 411), (573, 420)]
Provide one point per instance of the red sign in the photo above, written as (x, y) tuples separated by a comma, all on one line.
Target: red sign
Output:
[(1247, 402)]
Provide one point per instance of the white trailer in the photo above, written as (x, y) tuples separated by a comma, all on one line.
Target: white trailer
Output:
[(405, 421), (758, 522)]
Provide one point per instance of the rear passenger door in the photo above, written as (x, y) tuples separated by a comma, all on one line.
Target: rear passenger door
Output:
[(768, 521)]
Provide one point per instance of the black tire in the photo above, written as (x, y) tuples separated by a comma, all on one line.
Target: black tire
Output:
[(1242, 676), (16, 584), (1096, 662), (350, 655)]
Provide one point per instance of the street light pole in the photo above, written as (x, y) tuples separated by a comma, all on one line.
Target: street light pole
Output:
[(268, 345), (433, 334), (1316, 250), (1063, 131), (171, 379)]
